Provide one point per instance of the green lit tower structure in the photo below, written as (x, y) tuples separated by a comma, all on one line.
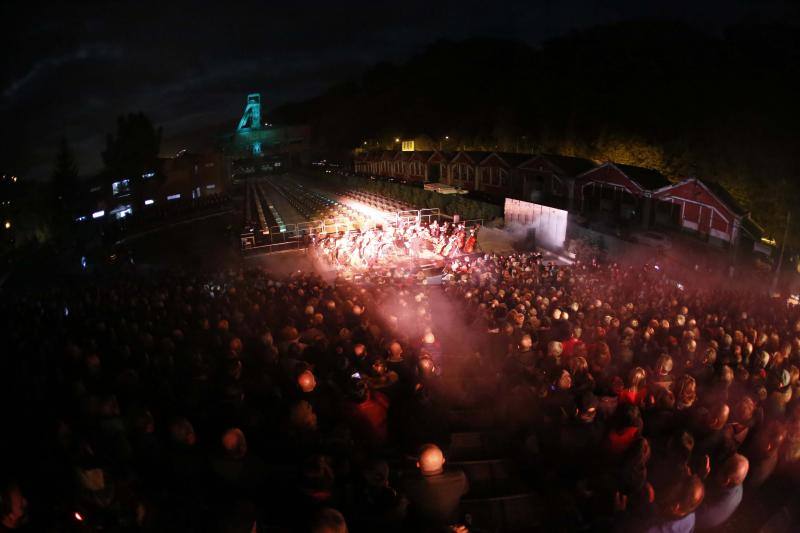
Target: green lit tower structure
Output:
[(251, 134), (254, 144)]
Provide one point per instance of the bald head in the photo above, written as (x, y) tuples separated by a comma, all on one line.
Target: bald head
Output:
[(307, 381), (734, 470), (683, 497), (431, 460), (234, 443)]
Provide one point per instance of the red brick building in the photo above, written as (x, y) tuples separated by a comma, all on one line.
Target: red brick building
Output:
[(618, 194), (462, 170), (496, 171), (704, 208)]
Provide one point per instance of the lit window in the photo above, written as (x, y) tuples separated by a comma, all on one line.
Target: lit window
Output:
[(148, 175), (122, 211), (121, 188), (173, 196), (80, 218), (98, 214), (211, 186), (149, 202)]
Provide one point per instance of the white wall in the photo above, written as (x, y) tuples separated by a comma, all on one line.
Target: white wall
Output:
[(550, 223)]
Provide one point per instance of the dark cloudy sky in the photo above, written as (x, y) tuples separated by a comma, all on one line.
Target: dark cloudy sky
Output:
[(72, 67)]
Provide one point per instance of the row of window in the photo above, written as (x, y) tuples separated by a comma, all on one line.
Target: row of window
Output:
[(121, 211)]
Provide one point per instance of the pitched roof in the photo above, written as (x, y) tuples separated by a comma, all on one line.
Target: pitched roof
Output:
[(647, 178), (572, 166), (446, 156), (423, 155), (723, 194), (513, 159), (475, 156)]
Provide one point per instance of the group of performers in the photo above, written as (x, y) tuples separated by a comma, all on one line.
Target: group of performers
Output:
[(413, 239)]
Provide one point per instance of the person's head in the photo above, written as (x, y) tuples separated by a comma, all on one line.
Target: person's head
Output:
[(564, 380), (686, 391), (526, 342), (182, 432), (395, 350), (426, 366), (664, 365), (379, 367), (431, 460), (235, 346), (429, 338), (13, 506), (718, 416), (306, 381), (328, 520), (234, 444), (733, 471), (636, 377), (682, 497), (555, 349), (744, 409), (709, 356), (578, 365)]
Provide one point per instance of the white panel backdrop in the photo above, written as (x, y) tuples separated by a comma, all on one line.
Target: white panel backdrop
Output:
[(550, 223)]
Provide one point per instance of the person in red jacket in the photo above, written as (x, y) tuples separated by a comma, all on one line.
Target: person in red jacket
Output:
[(367, 414), (625, 430)]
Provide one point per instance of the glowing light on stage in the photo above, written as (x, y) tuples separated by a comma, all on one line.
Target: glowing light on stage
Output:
[(376, 215)]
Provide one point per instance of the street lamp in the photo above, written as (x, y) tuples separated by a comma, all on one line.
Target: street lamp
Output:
[(7, 225)]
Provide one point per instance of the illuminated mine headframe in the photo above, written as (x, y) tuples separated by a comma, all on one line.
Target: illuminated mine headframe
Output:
[(251, 120)]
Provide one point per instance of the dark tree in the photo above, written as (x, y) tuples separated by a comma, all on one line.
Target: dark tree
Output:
[(133, 149), (65, 179)]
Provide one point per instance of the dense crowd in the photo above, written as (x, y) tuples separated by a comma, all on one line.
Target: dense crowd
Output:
[(413, 239), (243, 402)]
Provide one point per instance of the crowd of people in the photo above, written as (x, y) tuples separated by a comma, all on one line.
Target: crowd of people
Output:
[(413, 239), (242, 401)]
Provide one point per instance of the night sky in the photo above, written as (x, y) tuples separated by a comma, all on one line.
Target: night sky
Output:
[(71, 68)]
